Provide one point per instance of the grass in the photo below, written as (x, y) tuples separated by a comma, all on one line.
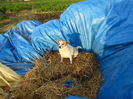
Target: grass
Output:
[(38, 5), (12, 13)]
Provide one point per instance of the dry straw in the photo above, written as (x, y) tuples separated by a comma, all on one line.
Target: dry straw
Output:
[(47, 79)]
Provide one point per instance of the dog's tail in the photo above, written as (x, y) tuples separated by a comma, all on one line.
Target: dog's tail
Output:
[(78, 47)]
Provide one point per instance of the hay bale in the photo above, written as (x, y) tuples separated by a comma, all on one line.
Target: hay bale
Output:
[(46, 79)]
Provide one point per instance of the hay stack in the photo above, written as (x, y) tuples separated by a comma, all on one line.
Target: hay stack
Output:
[(47, 79)]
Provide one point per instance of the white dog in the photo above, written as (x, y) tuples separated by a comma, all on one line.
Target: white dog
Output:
[(67, 51)]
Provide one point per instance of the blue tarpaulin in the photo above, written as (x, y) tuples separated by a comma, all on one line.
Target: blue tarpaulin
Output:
[(104, 27), (16, 50)]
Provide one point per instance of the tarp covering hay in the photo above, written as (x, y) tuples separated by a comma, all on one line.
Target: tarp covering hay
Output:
[(104, 27), (47, 79)]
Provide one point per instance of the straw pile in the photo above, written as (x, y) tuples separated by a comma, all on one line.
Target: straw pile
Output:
[(51, 79)]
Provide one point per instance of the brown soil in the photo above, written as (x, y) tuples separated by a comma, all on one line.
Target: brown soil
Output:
[(15, 18), (46, 79)]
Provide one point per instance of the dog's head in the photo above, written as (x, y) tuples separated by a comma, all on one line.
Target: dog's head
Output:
[(62, 43)]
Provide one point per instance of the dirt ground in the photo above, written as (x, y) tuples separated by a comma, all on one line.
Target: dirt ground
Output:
[(51, 79), (15, 18)]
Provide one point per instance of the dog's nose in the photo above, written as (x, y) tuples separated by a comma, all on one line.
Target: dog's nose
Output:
[(59, 46)]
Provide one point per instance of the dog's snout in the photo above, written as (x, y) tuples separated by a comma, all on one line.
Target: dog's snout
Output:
[(59, 46)]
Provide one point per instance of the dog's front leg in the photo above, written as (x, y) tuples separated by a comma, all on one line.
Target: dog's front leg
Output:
[(61, 59), (70, 59)]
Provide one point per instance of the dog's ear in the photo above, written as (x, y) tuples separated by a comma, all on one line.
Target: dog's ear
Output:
[(57, 41), (67, 42)]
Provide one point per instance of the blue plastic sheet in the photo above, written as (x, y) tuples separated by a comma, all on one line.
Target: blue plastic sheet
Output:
[(104, 27), (16, 50)]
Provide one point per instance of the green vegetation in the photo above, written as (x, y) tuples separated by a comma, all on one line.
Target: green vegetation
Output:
[(3, 13), (38, 5), (16, 11)]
